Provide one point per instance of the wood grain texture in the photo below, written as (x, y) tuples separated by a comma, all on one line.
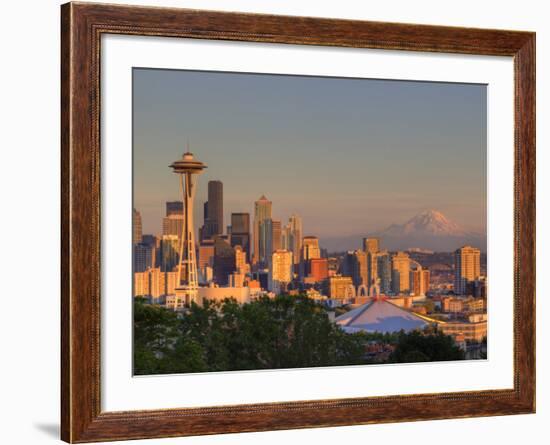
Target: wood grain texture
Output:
[(81, 28)]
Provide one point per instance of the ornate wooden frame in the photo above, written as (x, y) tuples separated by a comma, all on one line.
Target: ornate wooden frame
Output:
[(81, 28)]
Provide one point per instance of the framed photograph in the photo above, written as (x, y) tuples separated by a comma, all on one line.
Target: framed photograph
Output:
[(275, 222)]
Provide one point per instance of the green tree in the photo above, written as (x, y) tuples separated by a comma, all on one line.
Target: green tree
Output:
[(283, 332), (158, 345), (417, 346)]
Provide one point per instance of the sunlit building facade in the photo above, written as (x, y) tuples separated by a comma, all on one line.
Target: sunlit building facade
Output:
[(467, 268), (401, 267), (262, 230), (280, 271), (137, 232)]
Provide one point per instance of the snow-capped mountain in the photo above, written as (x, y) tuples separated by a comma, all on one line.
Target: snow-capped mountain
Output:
[(429, 230), (428, 222)]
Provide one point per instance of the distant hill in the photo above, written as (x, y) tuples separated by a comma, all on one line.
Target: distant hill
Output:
[(428, 230)]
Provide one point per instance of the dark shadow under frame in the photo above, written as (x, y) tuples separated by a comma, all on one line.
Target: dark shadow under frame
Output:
[(82, 25)]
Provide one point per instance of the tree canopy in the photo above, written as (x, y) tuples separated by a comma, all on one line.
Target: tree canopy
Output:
[(268, 333), (416, 346), (282, 332)]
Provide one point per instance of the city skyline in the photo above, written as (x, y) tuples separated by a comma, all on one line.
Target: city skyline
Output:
[(362, 203), (289, 240)]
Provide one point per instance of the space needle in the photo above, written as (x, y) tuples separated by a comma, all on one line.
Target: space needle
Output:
[(188, 168)]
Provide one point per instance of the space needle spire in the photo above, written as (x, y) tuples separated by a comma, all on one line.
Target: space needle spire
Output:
[(188, 168)]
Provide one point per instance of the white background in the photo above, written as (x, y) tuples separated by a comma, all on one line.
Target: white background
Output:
[(30, 209)]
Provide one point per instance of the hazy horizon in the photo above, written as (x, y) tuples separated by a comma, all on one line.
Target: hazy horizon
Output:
[(350, 156)]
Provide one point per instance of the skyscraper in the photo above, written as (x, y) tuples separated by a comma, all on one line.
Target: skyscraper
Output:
[(420, 281), (240, 232), (360, 269), (280, 272), (172, 224), (240, 223), (136, 227), (241, 262), (467, 268), (295, 237), (224, 260), (371, 245), (383, 261), (318, 269), (213, 223), (169, 252), (275, 235), (174, 208), (401, 267), (266, 241), (262, 212), (425, 281), (144, 257), (285, 239), (310, 248), (206, 260), (339, 287)]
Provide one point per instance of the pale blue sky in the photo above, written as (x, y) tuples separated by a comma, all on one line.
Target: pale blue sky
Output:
[(349, 155)]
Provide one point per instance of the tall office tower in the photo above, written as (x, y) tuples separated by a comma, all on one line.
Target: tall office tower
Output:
[(281, 270), (262, 212), (266, 241), (224, 260), (295, 237), (142, 285), (156, 282), (173, 225), (371, 245), (383, 261), (285, 239), (360, 269), (174, 208), (415, 282), (213, 223), (275, 235), (339, 286), (236, 280), (203, 228), (153, 242), (170, 282), (241, 263), (137, 232), (144, 257), (240, 232), (467, 268), (346, 265), (240, 223), (169, 252), (310, 248), (419, 281), (206, 254), (371, 259), (354, 265), (401, 267), (425, 281), (187, 168), (318, 269)]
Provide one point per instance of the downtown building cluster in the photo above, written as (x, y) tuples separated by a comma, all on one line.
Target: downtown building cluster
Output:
[(257, 255)]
